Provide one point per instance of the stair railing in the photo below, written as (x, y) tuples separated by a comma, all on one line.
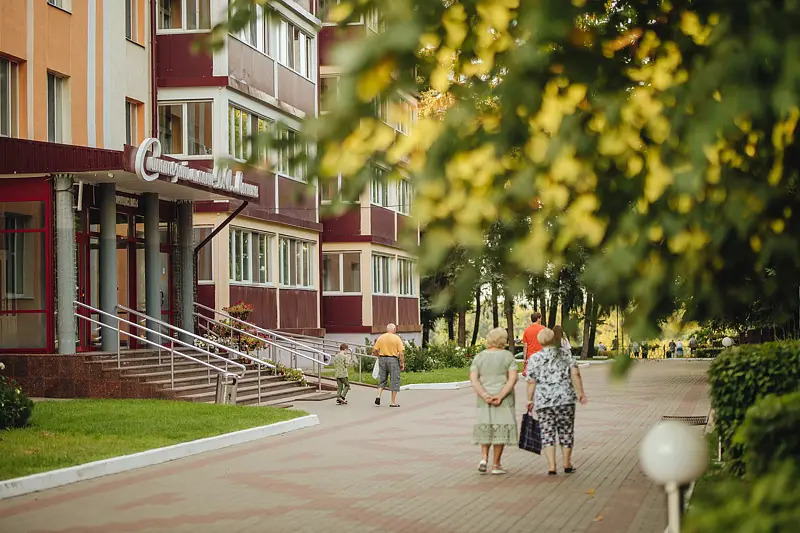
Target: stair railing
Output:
[(80, 306)]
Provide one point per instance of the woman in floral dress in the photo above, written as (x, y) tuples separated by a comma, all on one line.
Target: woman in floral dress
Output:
[(493, 375), (554, 385)]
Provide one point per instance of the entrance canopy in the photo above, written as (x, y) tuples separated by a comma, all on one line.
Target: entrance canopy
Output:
[(135, 170)]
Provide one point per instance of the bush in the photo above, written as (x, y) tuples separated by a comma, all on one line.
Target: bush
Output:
[(769, 433), (417, 358), (708, 352), (15, 406), (769, 504), (739, 377)]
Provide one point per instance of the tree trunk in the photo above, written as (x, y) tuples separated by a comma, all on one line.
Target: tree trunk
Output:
[(508, 305), (593, 328), (462, 328), (426, 334), (552, 313), (451, 327), (495, 307), (587, 322), (477, 317), (543, 306)]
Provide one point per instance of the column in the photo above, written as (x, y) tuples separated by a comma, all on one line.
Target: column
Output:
[(107, 274), (152, 268), (66, 285), (186, 254)]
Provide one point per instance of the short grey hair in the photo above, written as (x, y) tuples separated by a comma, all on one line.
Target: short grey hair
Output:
[(496, 338), (391, 328)]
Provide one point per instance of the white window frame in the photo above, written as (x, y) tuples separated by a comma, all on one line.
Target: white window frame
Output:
[(185, 132), (373, 21), (131, 123), (244, 242), (379, 188), (405, 196), (259, 28), (57, 135), (405, 277), (8, 126), (326, 97), (305, 63), (288, 151), (382, 274), (340, 255), (131, 20), (61, 4), (301, 262), (184, 19), (208, 249), (20, 242)]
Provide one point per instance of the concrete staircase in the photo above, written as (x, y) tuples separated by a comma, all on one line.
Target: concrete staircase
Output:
[(195, 382)]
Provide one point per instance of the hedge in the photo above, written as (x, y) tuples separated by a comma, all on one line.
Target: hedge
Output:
[(739, 377), (770, 433)]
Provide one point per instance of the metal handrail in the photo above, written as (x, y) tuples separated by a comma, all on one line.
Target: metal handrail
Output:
[(197, 337), (332, 343), (326, 357), (173, 341), (265, 341)]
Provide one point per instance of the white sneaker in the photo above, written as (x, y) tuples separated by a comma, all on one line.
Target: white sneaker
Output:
[(482, 467)]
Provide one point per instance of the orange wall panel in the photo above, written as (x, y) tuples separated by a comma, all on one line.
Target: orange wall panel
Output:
[(13, 29)]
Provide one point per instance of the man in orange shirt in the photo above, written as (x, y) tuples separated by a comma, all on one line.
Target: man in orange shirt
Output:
[(389, 350), (530, 342)]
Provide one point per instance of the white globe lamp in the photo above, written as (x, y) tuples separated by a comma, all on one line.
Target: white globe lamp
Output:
[(727, 342), (673, 454)]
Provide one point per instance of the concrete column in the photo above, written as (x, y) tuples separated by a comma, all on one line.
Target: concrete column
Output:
[(107, 274), (152, 268), (66, 289), (186, 253)]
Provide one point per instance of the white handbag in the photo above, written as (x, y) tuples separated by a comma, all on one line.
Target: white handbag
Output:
[(376, 370)]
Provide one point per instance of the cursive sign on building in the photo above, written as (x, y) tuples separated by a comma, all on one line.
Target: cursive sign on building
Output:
[(149, 166)]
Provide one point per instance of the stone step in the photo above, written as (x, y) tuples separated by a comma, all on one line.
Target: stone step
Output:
[(185, 380), (245, 384), (246, 395)]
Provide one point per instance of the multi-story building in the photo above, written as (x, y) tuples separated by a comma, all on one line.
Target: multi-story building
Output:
[(369, 278), (209, 105)]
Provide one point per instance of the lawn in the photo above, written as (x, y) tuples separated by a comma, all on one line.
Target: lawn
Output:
[(440, 375), (68, 433)]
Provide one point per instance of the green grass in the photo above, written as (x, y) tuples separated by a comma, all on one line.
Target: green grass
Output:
[(62, 434), (440, 375)]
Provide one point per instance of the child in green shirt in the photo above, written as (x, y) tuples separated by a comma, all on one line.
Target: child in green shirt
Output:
[(340, 362)]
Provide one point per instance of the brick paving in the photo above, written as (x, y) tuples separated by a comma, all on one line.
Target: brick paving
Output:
[(369, 469)]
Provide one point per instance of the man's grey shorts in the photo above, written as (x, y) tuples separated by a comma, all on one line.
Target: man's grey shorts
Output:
[(389, 368)]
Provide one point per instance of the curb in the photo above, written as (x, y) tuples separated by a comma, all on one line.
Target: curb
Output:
[(436, 386), (584, 364), (115, 465)]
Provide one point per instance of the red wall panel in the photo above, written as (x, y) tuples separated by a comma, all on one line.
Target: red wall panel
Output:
[(408, 309), (265, 301), (298, 309), (383, 223), (384, 310), (342, 310)]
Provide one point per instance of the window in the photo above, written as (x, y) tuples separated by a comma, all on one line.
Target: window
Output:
[(242, 125), (205, 258), (249, 33), (296, 263), (405, 277), (374, 20), (63, 4), (290, 156), (131, 126), (23, 276), (184, 14), (329, 93), (8, 98), (380, 274), (295, 49), (379, 188), (341, 272), (185, 128), (250, 257), (55, 118), (404, 115), (328, 191), (130, 20), (381, 104), (404, 196)]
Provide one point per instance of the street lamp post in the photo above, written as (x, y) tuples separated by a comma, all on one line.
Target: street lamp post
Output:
[(673, 454)]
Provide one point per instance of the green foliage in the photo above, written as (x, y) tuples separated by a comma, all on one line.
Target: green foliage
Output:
[(770, 433), (435, 356), (769, 504), (15, 406), (708, 352), (739, 377)]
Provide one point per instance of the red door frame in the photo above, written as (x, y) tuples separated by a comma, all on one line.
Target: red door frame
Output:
[(36, 190)]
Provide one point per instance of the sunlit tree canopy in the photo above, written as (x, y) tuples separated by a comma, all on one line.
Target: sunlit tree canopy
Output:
[(656, 136)]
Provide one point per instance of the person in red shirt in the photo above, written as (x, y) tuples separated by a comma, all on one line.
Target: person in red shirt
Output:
[(530, 342)]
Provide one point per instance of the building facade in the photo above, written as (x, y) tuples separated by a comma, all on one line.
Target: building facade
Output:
[(370, 277)]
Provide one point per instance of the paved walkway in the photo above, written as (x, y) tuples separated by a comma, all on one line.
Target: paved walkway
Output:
[(369, 469)]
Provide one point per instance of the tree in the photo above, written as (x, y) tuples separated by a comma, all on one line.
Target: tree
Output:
[(476, 325), (659, 136), (587, 326)]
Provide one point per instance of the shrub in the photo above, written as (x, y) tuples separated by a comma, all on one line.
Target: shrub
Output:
[(418, 359), (769, 433), (768, 504), (739, 377), (15, 406), (708, 352)]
